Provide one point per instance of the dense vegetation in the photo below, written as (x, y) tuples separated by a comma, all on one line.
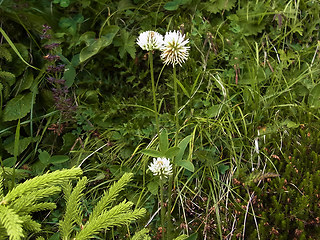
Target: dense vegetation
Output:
[(239, 120)]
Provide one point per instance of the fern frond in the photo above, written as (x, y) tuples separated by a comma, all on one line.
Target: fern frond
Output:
[(41, 206), (41, 182), (5, 53), (3, 233), (117, 216), (29, 224), (11, 222), (111, 195), (73, 211), (26, 203), (141, 235)]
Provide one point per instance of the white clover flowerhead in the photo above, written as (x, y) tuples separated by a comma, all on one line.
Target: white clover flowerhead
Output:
[(150, 40), (174, 49), (161, 167)]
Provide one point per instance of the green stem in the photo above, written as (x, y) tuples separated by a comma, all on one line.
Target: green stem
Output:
[(154, 91), (162, 209), (176, 105), (171, 178)]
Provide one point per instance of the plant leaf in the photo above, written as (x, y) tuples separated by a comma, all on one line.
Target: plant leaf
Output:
[(96, 45), (152, 153), (57, 159), (172, 152), (164, 144), (182, 145), (18, 107), (186, 164)]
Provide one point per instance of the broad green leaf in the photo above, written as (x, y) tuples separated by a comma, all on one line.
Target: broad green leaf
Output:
[(173, 5), (290, 124), (97, 45), (10, 78), (314, 97), (57, 159), (69, 75), (172, 152), (26, 81), (164, 144), (213, 111), (87, 37), (186, 164), (152, 153), (193, 236), (23, 144), (301, 90), (182, 145), (153, 187), (223, 168), (9, 162), (18, 107), (44, 157)]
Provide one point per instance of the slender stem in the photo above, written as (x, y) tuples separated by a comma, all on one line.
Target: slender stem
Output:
[(154, 91), (162, 209), (176, 105), (171, 178)]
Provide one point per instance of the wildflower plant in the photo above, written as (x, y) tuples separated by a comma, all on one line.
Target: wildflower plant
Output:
[(174, 49), (161, 167), (151, 41)]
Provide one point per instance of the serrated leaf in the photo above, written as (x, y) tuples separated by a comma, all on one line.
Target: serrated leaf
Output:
[(23, 144), (126, 44), (18, 107), (218, 6), (10, 78), (152, 153), (186, 164), (9, 162)]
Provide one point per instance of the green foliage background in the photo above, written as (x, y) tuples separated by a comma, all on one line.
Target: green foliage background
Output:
[(249, 109)]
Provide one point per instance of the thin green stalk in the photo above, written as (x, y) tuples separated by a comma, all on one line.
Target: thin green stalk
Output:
[(163, 211), (171, 178), (154, 91), (176, 105), (15, 153)]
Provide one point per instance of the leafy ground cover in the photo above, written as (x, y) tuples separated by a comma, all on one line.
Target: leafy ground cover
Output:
[(239, 120)]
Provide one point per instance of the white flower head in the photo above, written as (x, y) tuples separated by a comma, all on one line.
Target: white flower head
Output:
[(150, 40), (174, 49), (161, 167)]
